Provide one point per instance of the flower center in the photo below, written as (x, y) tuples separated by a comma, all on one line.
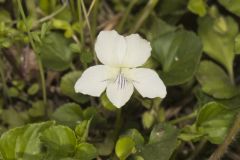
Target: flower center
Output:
[(121, 80)]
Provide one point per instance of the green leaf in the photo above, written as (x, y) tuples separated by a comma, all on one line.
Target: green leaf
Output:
[(198, 7), (13, 118), (237, 44), (179, 53), (47, 6), (37, 109), (4, 16), (82, 130), (106, 103), (67, 87), (124, 147), (106, 147), (13, 92), (172, 10), (147, 119), (214, 81), (23, 142), (136, 136), (162, 143), (85, 151), (232, 103), (158, 28), (214, 120), (218, 37), (231, 5), (60, 141), (33, 89), (64, 25), (68, 114), (93, 113), (55, 52), (86, 57), (64, 14), (190, 133)]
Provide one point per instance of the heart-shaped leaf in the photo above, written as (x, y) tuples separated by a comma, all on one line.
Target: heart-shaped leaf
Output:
[(215, 81), (179, 53), (55, 51), (23, 142), (67, 87), (214, 120), (162, 143), (69, 114), (198, 7), (60, 141), (218, 36)]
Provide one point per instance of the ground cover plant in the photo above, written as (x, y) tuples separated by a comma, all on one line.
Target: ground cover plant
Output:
[(187, 109)]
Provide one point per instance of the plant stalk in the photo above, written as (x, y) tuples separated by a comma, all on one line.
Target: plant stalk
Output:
[(80, 18), (231, 74), (118, 123), (41, 70), (184, 118), (145, 13)]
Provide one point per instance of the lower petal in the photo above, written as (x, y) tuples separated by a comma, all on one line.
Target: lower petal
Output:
[(148, 83), (93, 81), (119, 95)]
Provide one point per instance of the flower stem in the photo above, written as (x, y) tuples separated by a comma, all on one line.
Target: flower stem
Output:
[(145, 13), (118, 123), (41, 70), (184, 118), (221, 150)]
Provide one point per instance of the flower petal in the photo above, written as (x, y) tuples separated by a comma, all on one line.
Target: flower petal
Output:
[(137, 52), (110, 48), (119, 95), (148, 83), (93, 81)]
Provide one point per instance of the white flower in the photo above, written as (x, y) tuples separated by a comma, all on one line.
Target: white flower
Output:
[(119, 75)]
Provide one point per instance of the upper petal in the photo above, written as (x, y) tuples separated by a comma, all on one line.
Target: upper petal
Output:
[(148, 83), (93, 81), (137, 52), (119, 95), (110, 48)]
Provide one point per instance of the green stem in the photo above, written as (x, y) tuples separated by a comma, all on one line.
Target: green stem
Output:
[(222, 149), (145, 13), (80, 18), (3, 77), (130, 6), (231, 74), (94, 17), (41, 70), (184, 118), (87, 20), (86, 14), (53, 14), (158, 110), (118, 123)]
